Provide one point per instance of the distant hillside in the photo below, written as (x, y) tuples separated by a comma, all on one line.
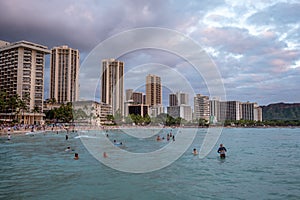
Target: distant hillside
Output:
[(283, 111)]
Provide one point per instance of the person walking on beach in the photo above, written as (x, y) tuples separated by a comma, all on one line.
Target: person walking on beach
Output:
[(222, 150)]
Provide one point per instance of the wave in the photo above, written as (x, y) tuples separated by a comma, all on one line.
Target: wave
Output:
[(33, 133), (84, 136)]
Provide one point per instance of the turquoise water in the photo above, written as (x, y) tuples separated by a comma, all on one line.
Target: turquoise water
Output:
[(260, 164)]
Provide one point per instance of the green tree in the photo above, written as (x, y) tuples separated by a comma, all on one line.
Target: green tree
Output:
[(147, 119), (118, 117), (128, 119), (24, 104), (79, 114), (14, 104), (137, 119), (110, 118), (36, 109), (3, 102)]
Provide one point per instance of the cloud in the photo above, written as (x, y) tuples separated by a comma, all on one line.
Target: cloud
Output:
[(254, 44), (278, 14)]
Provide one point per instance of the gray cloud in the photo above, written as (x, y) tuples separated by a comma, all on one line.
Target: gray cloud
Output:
[(254, 67)]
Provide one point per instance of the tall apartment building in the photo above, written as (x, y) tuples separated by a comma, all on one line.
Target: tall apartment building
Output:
[(173, 100), (250, 111), (22, 73), (112, 87), (128, 94), (214, 105), (135, 103), (153, 90), (136, 97), (154, 95), (64, 70), (179, 98), (258, 114), (229, 110), (201, 107), (182, 111), (178, 106)]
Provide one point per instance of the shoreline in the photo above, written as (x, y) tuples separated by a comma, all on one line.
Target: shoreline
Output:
[(4, 132)]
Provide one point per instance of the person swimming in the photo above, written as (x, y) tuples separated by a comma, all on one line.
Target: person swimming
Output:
[(68, 149), (8, 136), (158, 138), (76, 157), (105, 155), (195, 152), (118, 143)]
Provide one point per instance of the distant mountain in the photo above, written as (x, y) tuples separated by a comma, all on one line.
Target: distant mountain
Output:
[(283, 111)]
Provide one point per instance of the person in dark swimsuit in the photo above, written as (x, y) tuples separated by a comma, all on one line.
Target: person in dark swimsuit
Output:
[(222, 150)]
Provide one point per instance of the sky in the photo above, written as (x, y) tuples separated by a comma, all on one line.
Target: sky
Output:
[(254, 45)]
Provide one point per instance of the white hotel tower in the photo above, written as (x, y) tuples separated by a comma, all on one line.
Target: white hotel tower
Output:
[(22, 67), (64, 69), (113, 84)]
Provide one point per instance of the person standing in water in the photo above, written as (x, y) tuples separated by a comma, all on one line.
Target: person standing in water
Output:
[(222, 150)]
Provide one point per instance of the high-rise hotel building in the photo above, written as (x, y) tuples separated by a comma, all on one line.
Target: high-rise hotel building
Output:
[(250, 111), (178, 99), (229, 110), (201, 107), (178, 106), (214, 106), (64, 69), (154, 95), (234, 110), (112, 87), (153, 90), (22, 73)]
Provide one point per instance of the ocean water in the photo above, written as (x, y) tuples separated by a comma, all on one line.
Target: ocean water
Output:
[(260, 164)]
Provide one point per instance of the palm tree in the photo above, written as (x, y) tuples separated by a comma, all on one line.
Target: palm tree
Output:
[(23, 107), (51, 102), (19, 103), (24, 104), (91, 114), (36, 109), (3, 102), (13, 105)]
